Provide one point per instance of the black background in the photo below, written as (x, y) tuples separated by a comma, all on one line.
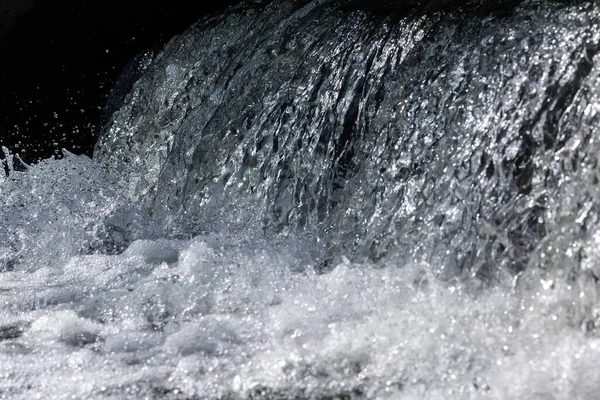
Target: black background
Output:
[(58, 60)]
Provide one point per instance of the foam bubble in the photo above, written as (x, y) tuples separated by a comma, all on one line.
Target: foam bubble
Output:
[(239, 316)]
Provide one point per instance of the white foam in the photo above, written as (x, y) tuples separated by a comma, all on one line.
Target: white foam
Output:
[(237, 316)]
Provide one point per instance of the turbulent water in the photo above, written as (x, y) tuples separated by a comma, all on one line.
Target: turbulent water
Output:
[(323, 200)]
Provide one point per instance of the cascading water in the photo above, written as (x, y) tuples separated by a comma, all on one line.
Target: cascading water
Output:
[(317, 200)]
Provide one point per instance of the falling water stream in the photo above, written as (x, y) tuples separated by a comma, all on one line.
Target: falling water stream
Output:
[(323, 200)]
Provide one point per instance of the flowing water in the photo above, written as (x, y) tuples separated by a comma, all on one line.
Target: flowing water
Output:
[(323, 200)]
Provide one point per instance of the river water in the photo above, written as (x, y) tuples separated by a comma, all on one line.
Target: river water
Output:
[(319, 200)]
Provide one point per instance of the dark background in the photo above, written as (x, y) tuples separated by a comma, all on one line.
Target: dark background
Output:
[(59, 59)]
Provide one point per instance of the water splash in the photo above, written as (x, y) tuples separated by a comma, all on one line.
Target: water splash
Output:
[(440, 167), (239, 316)]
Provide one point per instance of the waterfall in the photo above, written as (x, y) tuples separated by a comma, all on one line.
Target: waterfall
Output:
[(322, 200), (446, 136)]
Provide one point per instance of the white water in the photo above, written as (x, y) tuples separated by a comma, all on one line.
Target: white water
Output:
[(234, 316)]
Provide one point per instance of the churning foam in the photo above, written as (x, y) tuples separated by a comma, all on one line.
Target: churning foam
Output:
[(230, 316)]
